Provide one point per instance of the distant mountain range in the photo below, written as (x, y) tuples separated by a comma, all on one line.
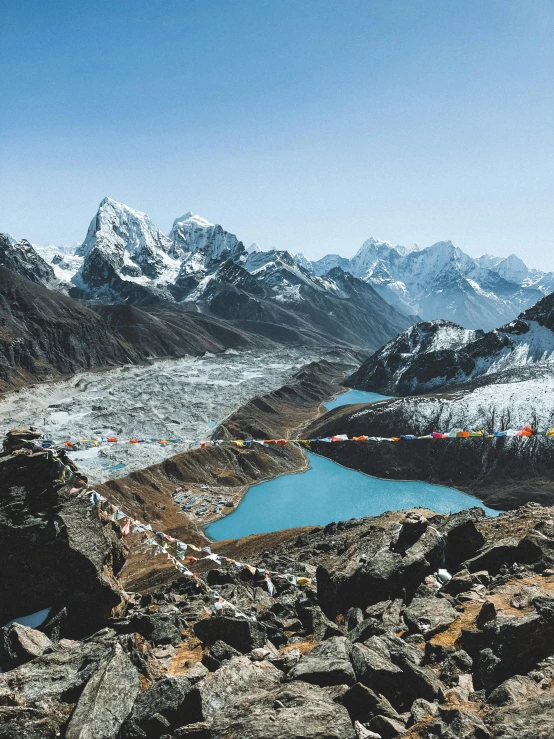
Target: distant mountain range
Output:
[(441, 281)]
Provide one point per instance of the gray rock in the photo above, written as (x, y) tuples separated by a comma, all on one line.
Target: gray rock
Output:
[(417, 682), (399, 648), (536, 547), (238, 676), (217, 653), (353, 618), (422, 710), (368, 627), (381, 573), (487, 613), (514, 691), (456, 664), (429, 615), (532, 718), (55, 549), (386, 727), (363, 733), (316, 622), (461, 724), (164, 699), (463, 538), (545, 607), (164, 626), (106, 700), (374, 670), (39, 683), (326, 664), (197, 672), (307, 712), (518, 643), (19, 644), (196, 730), (494, 556)]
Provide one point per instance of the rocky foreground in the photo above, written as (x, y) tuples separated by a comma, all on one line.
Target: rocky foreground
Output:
[(417, 625)]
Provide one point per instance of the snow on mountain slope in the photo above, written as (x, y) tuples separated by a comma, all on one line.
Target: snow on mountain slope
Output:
[(436, 354), (63, 261), (512, 403), (191, 233), (278, 269), (126, 259), (122, 244)]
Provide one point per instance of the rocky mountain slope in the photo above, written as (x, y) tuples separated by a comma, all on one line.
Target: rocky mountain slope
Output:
[(442, 282), (45, 334), (23, 259), (438, 354), (416, 625)]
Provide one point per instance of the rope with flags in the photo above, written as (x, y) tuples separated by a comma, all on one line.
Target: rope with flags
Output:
[(78, 444)]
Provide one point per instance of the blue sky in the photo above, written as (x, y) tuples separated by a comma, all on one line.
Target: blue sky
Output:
[(308, 125)]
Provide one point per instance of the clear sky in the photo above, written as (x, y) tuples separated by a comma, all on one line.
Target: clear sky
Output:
[(308, 125)]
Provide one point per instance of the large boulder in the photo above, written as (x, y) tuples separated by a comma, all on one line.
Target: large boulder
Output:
[(375, 569), (288, 712), (494, 556), (238, 676), (363, 704), (516, 644), (107, 698), (56, 552), (161, 626), (427, 616), (326, 664), (375, 670), (19, 644), (40, 694), (160, 707), (463, 538)]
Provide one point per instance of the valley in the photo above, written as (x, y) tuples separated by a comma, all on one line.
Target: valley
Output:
[(166, 399)]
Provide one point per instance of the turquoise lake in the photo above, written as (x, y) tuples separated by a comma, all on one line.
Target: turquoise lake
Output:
[(328, 492)]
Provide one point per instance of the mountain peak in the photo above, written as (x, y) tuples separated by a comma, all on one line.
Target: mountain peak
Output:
[(192, 218)]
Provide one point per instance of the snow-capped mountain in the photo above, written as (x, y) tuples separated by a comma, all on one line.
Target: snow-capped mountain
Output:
[(192, 233), (122, 244), (436, 354), (125, 258), (441, 281)]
